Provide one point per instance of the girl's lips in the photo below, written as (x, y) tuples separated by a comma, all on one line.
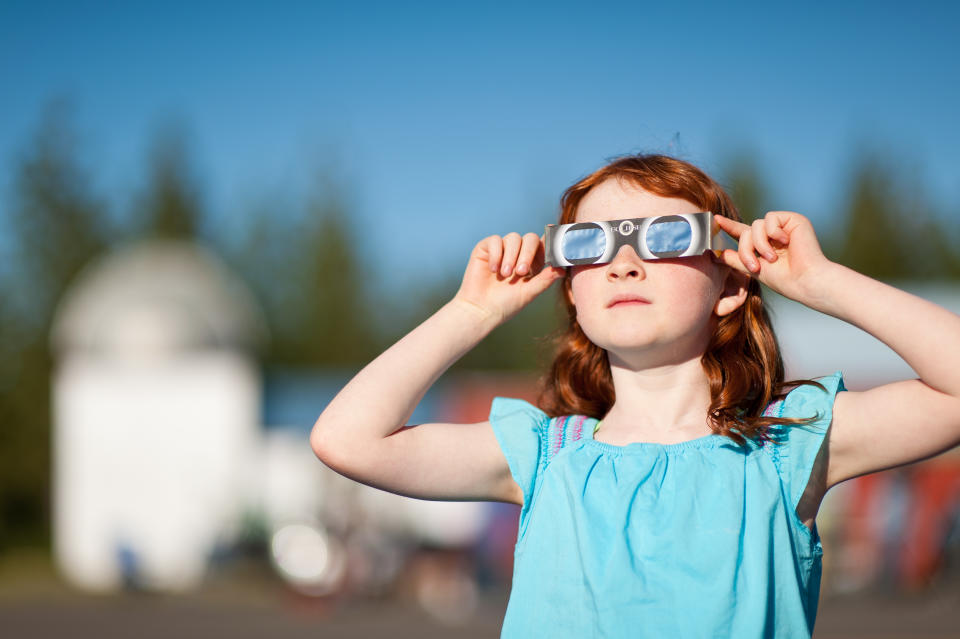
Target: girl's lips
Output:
[(624, 300)]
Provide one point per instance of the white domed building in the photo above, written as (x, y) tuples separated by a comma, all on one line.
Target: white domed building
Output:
[(157, 411)]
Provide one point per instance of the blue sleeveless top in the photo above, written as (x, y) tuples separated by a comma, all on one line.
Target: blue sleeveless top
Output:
[(695, 539)]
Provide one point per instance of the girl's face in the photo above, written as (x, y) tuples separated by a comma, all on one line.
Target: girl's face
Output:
[(670, 303)]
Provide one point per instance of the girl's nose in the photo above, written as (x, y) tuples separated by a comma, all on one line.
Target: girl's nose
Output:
[(626, 264)]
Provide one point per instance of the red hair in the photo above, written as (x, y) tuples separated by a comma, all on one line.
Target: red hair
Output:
[(742, 360)]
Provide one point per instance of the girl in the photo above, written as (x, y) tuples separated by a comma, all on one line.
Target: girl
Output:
[(670, 479)]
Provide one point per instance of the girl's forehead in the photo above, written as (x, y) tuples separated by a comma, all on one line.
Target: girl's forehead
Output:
[(617, 200)]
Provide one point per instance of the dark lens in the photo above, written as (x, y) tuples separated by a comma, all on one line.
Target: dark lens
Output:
[(583, 242), (669, 236)]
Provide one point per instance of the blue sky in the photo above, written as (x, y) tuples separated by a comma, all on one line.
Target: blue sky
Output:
[(448, 122)]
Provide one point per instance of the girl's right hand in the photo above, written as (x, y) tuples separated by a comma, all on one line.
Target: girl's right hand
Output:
[(505, 274)]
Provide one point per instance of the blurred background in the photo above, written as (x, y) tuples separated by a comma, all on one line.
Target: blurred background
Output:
[(213, 214)]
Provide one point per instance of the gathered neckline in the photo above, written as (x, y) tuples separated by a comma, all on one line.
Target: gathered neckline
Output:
[(704, 441)]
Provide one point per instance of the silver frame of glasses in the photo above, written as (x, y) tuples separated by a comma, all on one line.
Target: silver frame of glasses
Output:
[(705, 236)]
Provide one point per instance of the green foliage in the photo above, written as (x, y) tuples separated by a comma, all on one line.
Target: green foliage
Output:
[(891, 233), (56, 226), (522, 344), (525, 342), (310, 279), (171, 203), (25, 449), (330, 315), (745, 183), (56, 221), (302, 262)]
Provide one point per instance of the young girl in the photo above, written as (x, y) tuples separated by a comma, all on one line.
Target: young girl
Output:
[(670, 479)]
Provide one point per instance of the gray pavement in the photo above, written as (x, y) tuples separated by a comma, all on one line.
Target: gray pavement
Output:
[(36, 605)]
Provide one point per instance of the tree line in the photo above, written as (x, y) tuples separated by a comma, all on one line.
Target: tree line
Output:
[(302, 263)]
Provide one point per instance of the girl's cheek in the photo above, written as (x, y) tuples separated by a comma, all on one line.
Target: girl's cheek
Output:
[(587, 326)]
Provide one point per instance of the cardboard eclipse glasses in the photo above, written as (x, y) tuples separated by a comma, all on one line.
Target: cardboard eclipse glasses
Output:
[(656, 237)]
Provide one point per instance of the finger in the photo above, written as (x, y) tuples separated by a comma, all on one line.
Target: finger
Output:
[(539, 257), (775, 231), (542, 280), (528, 251), (745, 251), (732, 259), (734, 228), (760, 241), (511, 248), (494, 246)]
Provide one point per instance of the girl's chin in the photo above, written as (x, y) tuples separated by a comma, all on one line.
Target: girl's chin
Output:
[(625, 345), (627, 335), (643, 359), (650, 352), (641, 338)]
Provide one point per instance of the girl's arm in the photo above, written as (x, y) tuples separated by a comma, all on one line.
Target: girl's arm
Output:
[(361, 433), (888, 425)]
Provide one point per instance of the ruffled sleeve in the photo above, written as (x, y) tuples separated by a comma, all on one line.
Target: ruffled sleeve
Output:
[(520, 428), (800, 444)]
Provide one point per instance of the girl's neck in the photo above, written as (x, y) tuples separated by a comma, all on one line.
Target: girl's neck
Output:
[(665, 404)]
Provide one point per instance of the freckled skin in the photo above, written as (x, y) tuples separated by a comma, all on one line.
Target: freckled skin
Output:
[(677, 323)]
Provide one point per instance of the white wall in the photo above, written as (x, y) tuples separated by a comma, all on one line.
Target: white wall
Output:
[(151, 455)]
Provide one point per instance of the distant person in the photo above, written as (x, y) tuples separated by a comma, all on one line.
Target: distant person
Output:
[(670, 478)]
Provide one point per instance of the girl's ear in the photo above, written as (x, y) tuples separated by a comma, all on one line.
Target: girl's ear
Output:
[(734, 292)]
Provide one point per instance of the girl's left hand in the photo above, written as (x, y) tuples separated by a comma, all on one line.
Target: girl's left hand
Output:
[(781, 250)]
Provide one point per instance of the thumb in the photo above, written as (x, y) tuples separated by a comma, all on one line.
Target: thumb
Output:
[(732, 259), (542, 280)]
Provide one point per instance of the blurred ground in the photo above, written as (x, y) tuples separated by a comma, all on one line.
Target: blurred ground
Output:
[(248, 602)]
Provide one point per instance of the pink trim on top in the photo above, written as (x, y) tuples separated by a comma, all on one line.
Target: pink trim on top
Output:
[(578, 428), (558, 436), (560, 428), (771, 408)]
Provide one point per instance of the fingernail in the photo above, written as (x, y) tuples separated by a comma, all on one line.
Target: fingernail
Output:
[(770, 256), (522, 269)]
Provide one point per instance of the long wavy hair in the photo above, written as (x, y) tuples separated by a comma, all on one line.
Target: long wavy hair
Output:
[(742, 360)]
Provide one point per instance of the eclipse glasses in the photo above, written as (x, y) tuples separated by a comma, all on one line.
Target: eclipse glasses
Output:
[(653, 238)]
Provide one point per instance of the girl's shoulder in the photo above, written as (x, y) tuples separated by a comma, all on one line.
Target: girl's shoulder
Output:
[(796, 446), (529, 437), (806, 401), (521, 430), (520, 416)]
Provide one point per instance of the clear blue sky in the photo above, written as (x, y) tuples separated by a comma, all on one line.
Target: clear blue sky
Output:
[(449, 122)]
